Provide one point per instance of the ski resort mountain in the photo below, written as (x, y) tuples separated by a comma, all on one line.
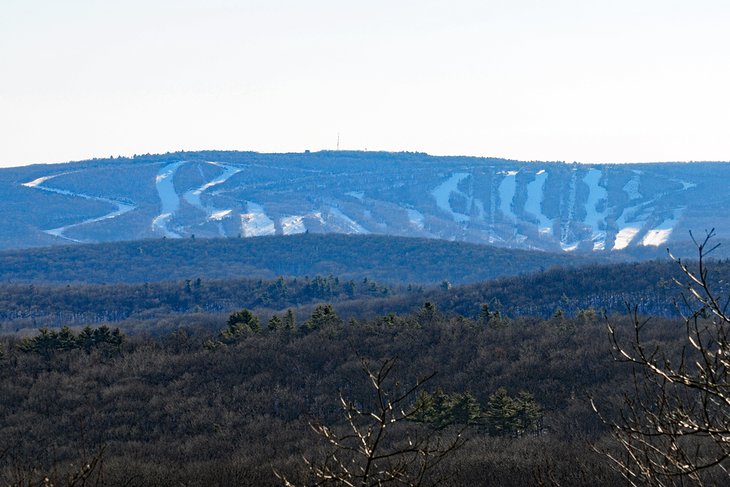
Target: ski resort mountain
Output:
[(550, 206)]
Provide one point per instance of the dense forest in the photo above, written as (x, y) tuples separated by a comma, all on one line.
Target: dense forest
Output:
[(603, 288), (254, 381), (231, 404), (386, 259)]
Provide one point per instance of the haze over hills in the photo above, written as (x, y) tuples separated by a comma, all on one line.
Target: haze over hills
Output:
[(548, 206)]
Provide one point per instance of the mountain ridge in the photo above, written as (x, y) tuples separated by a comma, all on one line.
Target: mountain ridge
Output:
[(552, 206)]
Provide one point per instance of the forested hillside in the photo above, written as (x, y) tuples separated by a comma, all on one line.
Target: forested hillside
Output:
[(385, 259), (649, 285), (599, 288), (207, 408)]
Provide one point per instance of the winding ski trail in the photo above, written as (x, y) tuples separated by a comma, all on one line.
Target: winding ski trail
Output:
[(122, 207)]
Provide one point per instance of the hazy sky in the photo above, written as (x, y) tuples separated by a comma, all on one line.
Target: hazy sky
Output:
[(573, 80)]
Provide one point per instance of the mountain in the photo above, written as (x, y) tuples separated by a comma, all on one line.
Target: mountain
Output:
[(550, 206)]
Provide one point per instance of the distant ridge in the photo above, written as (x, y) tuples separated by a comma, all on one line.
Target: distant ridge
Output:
[(551, 206)]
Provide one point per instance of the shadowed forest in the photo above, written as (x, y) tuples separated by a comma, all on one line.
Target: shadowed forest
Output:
[(230, 407), (534, 379)]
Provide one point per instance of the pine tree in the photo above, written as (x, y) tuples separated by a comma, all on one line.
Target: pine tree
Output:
[(290, 321), (240, 323), (501, 413), (275, 323), (529, 413), (465, 409), (323, 316), (66, 339)]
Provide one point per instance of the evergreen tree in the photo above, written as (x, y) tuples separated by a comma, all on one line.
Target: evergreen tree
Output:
[(484, 314), (501, 413), (290, 321), (85, 339), (45, 343), (66, 340), (529, 413), (323, 316), (240, 323), (275, 323), (465, 409)]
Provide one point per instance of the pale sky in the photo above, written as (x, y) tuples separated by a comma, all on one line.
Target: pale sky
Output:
[(573, 80)]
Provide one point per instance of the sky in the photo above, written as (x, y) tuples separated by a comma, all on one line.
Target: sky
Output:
[(571, 80)]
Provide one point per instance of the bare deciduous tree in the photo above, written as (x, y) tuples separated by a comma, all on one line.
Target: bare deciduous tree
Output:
[(674, 428), (381, 446)]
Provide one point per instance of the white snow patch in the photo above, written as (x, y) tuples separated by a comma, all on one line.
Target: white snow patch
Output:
[(193, 196), (687, 185), (212, 213), (170, 201), (256, 223), (317, 216), (122, 207), (347, 223), (293, 224), (624, 237), (594, 218), (656, 237), (37, 182), (633, 218), (442, 193), (415, 218), (660, 234), (565, 229), (507, 188), (535, 191), (600, 242), (569, 247), (219, 215), (630, 223)]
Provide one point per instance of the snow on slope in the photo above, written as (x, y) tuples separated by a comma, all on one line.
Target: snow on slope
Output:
[(169, 199), (345, 223), (632, 219), (193, 196), (442, 193), (566, 242), (643, 213), (631, 188), (415, 218), (256, 222), (660, 234), (594, 218), (291, 225), (533, 205), (507, 188), (122, 207)]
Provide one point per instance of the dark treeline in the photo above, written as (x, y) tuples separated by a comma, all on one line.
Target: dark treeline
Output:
[(383, 258), (31, 305), (228, 405), (649, 285)]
